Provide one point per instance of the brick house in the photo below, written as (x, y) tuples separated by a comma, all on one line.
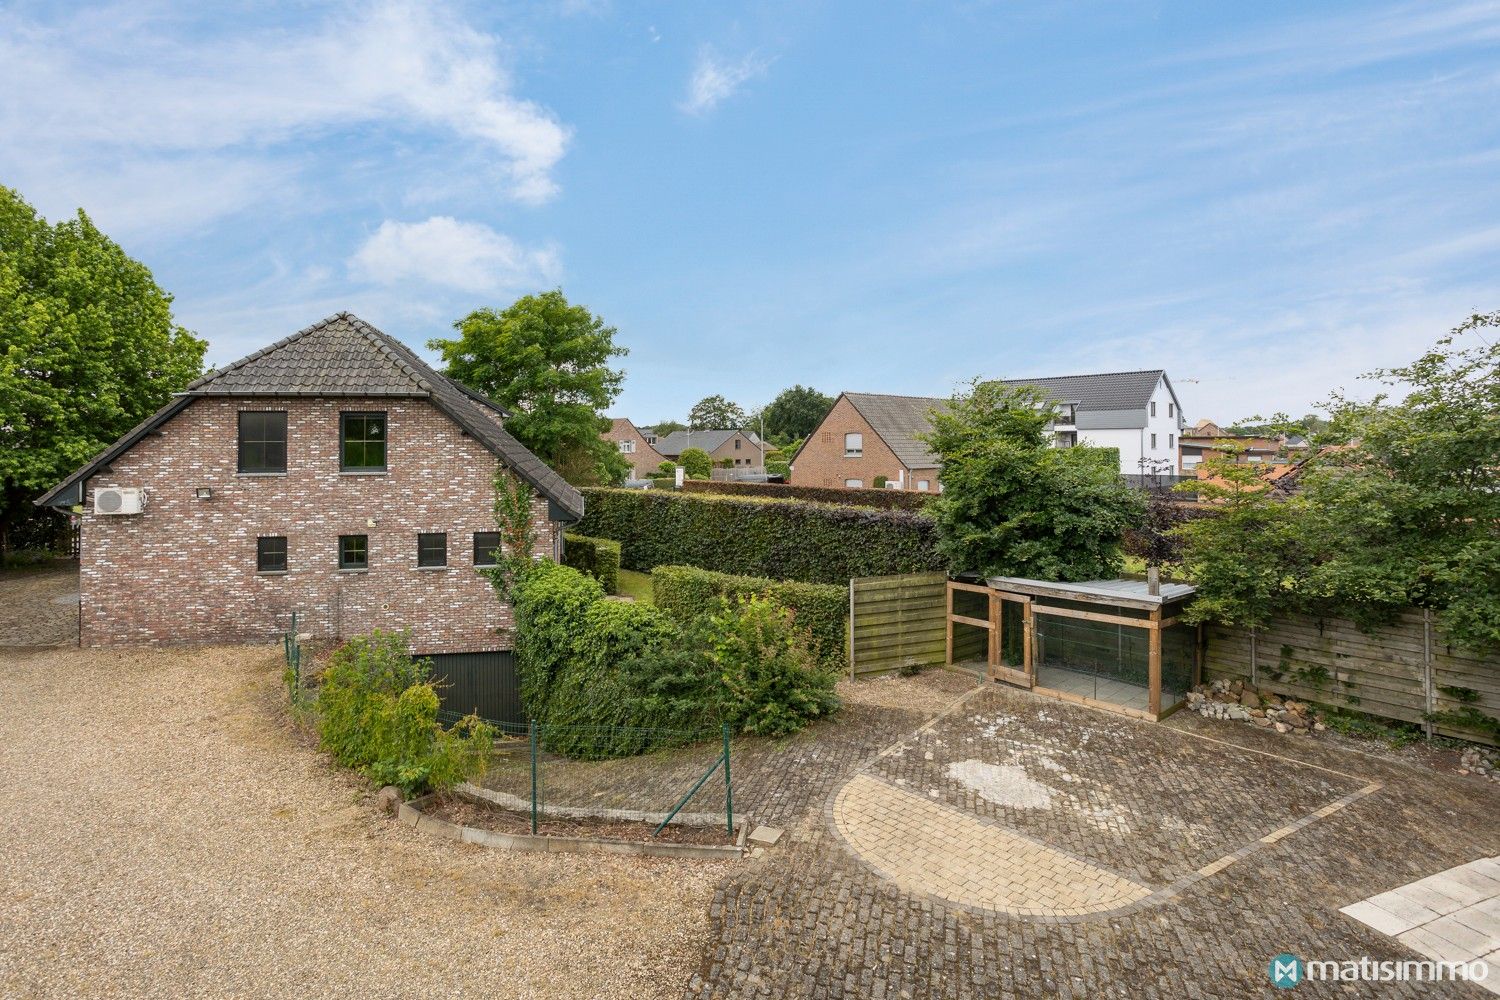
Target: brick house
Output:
[(334, 474), (741, 449), (866, 435), (637, 447)]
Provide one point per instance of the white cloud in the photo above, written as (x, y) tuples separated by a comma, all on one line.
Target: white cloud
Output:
[(443, 251), (716, 79), (117, 85)]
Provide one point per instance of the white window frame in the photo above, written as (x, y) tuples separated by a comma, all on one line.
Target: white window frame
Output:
[(854, 484), (627, 447), (923, 485), (857, 448)]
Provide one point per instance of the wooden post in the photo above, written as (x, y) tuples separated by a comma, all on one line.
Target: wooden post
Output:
[(1153, 662), (1199, 652), (851, 630), (1026, 640), (1429, 691), (948, 618), (994, 650)]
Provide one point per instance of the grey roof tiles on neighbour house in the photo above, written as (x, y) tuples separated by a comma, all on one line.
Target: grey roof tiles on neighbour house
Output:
[(899, 419), (345, 356), (677, 442)]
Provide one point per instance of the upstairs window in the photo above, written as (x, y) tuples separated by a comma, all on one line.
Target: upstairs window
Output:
[(854, 445), (736, 444), (627, 447), (270, 554), (262, 441), (1153, 407), (354, 552), (486, 548), (1153, 437), (1171, 409), (362, 442), (432, 549)]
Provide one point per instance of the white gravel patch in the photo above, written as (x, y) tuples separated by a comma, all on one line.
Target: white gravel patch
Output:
[(1002, 784), (164, 833)]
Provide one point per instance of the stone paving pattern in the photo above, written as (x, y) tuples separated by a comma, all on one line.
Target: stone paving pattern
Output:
[(810, 919)]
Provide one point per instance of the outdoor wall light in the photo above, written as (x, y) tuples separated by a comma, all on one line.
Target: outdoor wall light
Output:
[(204, 493)]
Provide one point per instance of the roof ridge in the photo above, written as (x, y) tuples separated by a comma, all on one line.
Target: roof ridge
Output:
[(208, 377), (392, 348), (1134, 371)]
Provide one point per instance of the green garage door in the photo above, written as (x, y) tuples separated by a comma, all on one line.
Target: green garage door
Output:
[(483, 683)]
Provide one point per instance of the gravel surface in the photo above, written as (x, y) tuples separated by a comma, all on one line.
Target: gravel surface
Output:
[(39, 605), (164, 832)]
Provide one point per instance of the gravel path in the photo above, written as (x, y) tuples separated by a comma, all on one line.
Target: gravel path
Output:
[(164, 833), (39, 605)]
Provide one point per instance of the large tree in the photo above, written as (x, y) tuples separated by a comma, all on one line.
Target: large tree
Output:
[(795, 413), (88, 349), (1012, 505), (715, 413), (547, 361)]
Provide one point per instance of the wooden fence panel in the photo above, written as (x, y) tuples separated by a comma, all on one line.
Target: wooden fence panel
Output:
[(897, 621), (1397, 670)]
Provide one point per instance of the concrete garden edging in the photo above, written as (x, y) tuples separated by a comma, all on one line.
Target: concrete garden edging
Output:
[(412, 814)]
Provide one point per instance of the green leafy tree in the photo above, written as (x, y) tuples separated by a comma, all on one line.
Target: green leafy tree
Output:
[(696, 463), (88, 349), (667, 427), (547, 361), (715, 413), (795, 413), (1014, 506)]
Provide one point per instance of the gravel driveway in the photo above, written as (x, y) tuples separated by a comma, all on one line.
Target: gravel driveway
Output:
[(163, 833)]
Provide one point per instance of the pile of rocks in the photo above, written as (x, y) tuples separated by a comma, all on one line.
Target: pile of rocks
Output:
[(1480, 760), (1236, 701)]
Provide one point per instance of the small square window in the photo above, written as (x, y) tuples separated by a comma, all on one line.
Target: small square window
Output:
[(262, 441), (486, 548), (432, 548), (627, 447), (854, 445), (354, 552), (923, 485), (270, 554), (362, 442)]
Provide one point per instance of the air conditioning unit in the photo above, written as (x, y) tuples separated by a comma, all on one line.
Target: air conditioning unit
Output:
[(119, 500)]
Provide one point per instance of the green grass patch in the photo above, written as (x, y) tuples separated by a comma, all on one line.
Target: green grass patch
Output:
[(636, 585)]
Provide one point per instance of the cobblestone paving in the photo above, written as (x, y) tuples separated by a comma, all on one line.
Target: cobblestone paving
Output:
[(39, 605), (808, 918)]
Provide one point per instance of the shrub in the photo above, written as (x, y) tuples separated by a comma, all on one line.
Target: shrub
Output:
[(842, 495), (664, 482), (378, 713), (598, 557), (667, 469), (777, 539), (550, 600), (879, 482), (697, 463), (772, 684), (687, 593)]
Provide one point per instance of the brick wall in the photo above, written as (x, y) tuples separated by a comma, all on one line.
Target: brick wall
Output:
[(185, 569), (822, 461), (645, 460)]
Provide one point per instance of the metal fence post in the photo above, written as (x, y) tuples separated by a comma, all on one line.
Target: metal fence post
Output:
[(728, 787), (531, 733)]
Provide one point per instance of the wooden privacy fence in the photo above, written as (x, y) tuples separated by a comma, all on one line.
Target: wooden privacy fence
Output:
[(897, 621), (1403, 670)]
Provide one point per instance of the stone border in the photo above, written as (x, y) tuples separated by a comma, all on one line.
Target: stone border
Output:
[(515, 803), (412, 814)]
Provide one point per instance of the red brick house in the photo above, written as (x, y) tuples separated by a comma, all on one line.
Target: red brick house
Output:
[(728, 448), (636, 447), (334, 474)]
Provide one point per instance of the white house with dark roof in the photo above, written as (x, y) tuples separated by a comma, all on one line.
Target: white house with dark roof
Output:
[(870, 439)]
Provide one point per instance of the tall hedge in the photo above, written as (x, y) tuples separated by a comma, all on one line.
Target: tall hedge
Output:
[(686, 592), (842, 495), (778, 539), (598, 557)]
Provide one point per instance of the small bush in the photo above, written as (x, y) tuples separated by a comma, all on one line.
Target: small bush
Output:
[(598, 557), (378, 713), (772, 683), (696, 462), (550, 601), (687, 593)]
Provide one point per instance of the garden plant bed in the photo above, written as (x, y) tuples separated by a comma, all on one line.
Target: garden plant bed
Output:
[(485, 816)]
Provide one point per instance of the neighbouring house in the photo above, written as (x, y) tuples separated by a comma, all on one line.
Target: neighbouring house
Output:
[(637, 447), (739, 449), (869, 436), (1206, 440), (333, 474)]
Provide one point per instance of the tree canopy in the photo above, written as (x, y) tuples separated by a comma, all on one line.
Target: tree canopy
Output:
[(795, 413), (715, 413), (88, 349), (666, 427), (1012, 505), (547, 361), (696, 463), (1401, 508)]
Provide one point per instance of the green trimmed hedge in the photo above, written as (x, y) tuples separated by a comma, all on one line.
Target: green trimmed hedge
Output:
[(777, 539), (663, 482), (685, 593), (598, 557), (843, 495)]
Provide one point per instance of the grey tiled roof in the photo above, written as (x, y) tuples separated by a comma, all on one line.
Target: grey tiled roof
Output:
[(677, 442), (899, 419), (345, 356)]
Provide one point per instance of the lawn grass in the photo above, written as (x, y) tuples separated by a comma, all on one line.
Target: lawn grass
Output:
[(636, 585)]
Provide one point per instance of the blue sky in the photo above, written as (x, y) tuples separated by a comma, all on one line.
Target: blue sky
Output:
[(1266, 198)]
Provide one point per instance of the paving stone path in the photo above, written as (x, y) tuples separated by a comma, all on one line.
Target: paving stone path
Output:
[(1286, 830)]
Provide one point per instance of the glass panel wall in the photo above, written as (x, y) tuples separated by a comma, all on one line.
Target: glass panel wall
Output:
[(1105, 661), (1178, 644)]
